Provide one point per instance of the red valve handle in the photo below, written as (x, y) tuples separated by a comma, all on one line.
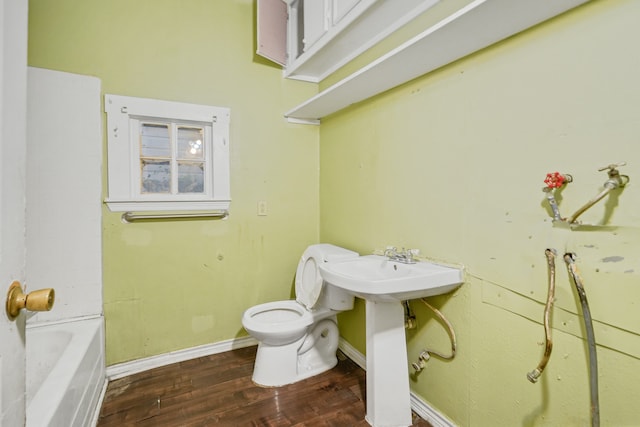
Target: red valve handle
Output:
[(554, 180)]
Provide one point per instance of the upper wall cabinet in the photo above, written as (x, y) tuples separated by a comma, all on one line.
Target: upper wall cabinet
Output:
[(313, 38), (316, 41)]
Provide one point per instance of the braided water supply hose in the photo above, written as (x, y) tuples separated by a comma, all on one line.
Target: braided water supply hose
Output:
[(425, 355), (569, 259), (551, 264)]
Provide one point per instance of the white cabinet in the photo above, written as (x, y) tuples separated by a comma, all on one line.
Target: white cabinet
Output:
[(470, 29), (324, 35), (340, 30)]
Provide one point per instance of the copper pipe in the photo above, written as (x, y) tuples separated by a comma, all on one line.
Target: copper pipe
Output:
[(551, 263)]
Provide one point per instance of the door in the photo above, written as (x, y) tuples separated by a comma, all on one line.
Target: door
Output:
[(272, 30), (13, 99), (341, 8), (317, 19)]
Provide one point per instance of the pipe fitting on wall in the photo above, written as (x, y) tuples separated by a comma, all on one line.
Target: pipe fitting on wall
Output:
[(423, 358)]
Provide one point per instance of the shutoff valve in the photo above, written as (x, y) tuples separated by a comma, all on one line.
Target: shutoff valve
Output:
[(557, 180)]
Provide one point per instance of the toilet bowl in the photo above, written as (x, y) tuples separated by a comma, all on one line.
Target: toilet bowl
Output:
[(298, 338)]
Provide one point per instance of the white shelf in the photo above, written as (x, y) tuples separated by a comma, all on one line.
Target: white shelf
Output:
[(474, 27)]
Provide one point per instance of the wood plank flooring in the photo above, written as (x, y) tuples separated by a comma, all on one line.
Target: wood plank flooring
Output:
[(217, 391)]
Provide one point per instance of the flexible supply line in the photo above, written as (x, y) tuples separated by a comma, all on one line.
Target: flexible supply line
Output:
[(425, 355), (616, 180), (548, 346), (569, 259), (607, 189)]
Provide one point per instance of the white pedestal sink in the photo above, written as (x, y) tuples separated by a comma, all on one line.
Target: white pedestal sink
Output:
[(384, 284)]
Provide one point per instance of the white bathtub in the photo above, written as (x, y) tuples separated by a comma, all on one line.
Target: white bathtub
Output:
[(65, 372)]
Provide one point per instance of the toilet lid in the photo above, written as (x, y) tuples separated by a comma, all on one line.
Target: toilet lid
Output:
[(309, 282), (308, 279)]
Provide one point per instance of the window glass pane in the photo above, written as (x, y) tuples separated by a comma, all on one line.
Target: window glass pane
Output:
[(190, 177), (190, 143), (156, 176), (154, 140)]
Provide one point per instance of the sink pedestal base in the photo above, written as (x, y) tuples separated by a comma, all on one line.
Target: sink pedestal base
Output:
[(388, 394)]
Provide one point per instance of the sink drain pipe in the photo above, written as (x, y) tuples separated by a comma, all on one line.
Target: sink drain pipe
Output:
[(569, 259), (548, 343)]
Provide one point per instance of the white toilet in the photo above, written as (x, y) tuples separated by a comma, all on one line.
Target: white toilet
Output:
[(298, 339)]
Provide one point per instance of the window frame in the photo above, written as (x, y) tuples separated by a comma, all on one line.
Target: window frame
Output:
[(124, 115)]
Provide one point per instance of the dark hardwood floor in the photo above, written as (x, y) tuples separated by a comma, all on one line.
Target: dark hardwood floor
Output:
[(217, 390)]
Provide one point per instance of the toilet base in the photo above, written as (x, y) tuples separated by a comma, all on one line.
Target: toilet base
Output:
[(311, 355)]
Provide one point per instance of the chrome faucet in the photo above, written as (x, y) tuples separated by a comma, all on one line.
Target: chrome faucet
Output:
[(405, 256)]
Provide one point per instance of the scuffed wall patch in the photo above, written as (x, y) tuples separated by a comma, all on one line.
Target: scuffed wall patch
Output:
[(613, 259)]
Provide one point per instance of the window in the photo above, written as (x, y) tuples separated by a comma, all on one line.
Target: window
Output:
[(166, 155)]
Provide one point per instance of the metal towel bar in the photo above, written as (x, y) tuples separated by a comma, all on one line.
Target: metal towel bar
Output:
[(131, 217)]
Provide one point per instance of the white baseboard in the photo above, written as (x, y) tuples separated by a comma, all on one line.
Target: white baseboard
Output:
[(353, 354), (418, 405), (133, 367)]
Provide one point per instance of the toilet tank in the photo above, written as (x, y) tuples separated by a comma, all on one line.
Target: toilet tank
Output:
[(332, 297), (332, 253), (335, 298)]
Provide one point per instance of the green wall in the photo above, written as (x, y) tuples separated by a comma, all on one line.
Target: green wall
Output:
[(453, 164), (173, 285)]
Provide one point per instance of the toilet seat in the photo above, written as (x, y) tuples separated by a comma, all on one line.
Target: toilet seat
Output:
[(277, 316)]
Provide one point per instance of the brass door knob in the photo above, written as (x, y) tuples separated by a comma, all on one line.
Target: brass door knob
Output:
[(40, 300)]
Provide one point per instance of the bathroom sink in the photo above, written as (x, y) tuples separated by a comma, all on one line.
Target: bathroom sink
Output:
[(383, 283), (376, 278)]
